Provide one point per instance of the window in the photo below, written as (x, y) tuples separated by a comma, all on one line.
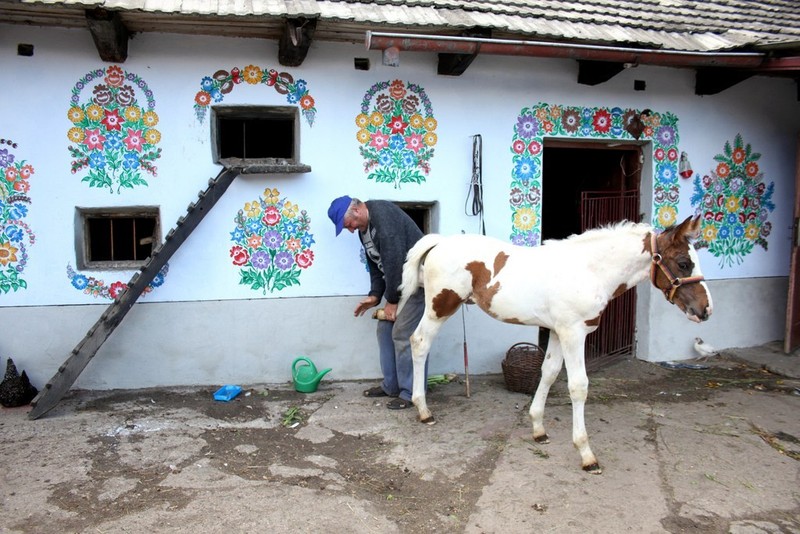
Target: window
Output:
[(422, 213), (261, 139), (116, 238)]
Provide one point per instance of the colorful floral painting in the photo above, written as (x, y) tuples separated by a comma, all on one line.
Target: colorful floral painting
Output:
[(272, 243), (15, 235), (214, 88), (114, 136), (735, 204), (527, 146), (98, 288), (396, 131)]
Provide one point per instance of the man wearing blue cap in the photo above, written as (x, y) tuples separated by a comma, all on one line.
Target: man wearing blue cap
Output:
[(386, 233)]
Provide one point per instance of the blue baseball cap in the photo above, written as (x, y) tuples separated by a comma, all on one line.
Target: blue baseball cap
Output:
[(337, 210)]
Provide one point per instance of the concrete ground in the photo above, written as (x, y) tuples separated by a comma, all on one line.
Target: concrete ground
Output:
[(682, 450)]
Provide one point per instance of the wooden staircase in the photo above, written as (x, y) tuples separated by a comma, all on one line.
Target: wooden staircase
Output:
[(84, 351)]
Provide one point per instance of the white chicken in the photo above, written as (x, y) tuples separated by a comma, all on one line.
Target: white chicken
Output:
[(704, 349)]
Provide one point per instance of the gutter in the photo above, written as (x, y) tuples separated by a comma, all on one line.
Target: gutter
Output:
[(633, 56)]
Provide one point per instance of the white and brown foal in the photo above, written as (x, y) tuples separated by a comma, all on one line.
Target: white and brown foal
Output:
[(563, 285)]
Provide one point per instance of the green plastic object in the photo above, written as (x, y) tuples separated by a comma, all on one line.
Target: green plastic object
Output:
[(305, 376)]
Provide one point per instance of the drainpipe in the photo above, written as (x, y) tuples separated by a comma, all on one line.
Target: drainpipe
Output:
[(394, 42)]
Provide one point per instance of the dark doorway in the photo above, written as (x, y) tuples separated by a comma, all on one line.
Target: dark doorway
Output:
[(586, 185), (570, 168)]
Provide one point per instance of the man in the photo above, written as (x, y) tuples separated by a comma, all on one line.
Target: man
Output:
[(386, 233)]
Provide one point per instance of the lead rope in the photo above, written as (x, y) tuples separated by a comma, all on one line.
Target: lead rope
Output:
[(476, 183), (476, 192), (466, 354)]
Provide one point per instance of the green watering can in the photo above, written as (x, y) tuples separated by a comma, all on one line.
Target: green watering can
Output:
[(306, 378)]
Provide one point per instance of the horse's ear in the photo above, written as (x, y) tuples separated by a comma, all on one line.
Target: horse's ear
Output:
[(690, 228)]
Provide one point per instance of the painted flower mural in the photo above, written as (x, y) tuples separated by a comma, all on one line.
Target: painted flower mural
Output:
[(98, 288), (214, 88), (14, 232), (527, 145), (272, 243), (113, 136), (735, 203), (396, 131)]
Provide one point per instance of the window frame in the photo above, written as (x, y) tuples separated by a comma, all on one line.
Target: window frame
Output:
[(257, 165), (83, 235)]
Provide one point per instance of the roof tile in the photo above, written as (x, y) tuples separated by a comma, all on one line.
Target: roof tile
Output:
[(702, 25)]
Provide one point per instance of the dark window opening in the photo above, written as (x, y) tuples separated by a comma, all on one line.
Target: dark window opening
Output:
[(120, 239), (420, 213), (256, 138), (117, 239), (24, 49)]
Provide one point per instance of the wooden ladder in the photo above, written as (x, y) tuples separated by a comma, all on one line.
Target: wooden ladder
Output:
[(84, 351)]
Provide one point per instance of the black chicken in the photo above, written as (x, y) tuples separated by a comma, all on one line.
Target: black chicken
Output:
[(16, 390)]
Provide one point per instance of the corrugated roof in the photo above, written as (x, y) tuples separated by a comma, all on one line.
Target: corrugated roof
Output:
[(682, 25)]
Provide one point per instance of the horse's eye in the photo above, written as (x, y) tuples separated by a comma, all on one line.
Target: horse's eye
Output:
[(685, 265)]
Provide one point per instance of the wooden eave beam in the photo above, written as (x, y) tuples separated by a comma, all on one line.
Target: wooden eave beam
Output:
[(456, 64), (597, 72), (711, 81), (295, 40), (109, 33)]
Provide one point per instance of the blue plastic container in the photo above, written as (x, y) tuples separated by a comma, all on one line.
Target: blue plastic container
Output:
[(226, 393)]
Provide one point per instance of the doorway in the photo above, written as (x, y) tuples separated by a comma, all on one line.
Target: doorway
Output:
[(586, 185)]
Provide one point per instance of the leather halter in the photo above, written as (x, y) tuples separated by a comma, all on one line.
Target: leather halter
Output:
[(675, 282)]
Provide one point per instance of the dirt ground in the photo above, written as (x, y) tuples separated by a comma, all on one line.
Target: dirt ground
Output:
[(683, 450)]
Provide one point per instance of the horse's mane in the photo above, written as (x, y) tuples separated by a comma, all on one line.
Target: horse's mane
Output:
[(602, 231)]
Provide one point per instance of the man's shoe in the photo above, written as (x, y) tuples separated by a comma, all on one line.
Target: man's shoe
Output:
[(377, 391), (398, 404)]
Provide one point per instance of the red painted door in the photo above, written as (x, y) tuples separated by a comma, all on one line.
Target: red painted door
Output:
[(792, 338)]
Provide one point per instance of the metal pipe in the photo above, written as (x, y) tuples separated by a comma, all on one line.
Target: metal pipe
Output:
[(634, 56), (779, 64)]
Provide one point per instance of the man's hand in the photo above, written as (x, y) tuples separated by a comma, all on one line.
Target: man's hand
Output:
[(391, 311), (369, 302)]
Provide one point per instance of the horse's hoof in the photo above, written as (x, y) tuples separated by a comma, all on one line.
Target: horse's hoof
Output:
[(542, 439), (593, 469), (428, 420)]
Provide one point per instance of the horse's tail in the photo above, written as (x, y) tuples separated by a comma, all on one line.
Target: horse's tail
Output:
[(411, 268)]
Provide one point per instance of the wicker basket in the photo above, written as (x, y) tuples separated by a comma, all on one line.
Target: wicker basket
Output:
[(522, 367)]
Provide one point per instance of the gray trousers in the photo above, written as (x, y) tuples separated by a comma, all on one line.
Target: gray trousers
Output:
[(394, 345)]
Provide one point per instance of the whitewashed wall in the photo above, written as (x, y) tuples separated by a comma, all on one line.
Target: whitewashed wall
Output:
[(203, 327)]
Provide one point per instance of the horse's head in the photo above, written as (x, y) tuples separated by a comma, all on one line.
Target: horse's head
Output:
[(676, 271)]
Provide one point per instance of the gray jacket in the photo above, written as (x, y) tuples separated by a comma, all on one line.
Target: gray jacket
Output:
[(395, 234)]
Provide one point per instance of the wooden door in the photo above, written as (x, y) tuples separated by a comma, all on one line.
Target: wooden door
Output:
[(791, 340)]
